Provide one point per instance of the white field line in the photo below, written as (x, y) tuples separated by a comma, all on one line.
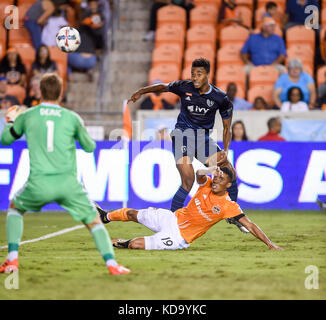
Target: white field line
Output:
[(50, 235)]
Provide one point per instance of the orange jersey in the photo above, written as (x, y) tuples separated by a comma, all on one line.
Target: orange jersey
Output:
[(203, 211)]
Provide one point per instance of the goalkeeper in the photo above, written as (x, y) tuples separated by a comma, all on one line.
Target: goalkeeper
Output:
[(51, 132)]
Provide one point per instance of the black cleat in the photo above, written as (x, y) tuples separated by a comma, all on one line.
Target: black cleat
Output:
[(321, 204), (120, 243), (102, 213), (238, 224)]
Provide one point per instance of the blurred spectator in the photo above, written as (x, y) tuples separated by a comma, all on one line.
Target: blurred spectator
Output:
[(239, 131), (12, 68), (295, 78), (93, 20), (163, 134), (274, 130), (52, 27), (321, 91), (229, 14), (264, 48), (155, 101), (34, 96), (91, 33), (295, 12), (238, 103), (6, 100), (157, 4), (321, 204), (36, 17), (270, 9), (43, 62), (260, 104), (294, 103)]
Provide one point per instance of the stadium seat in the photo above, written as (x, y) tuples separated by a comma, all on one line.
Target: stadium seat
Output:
[(240, 91), (167, 54), (3, 40), (259, 13), (302, 52), (203, 14), (171, 14), (278, 31), (229, 54), (186, 74), (27, 54), (246, 3), (231, 73), (200, 34), (26, 1), (246, 15), (165, 73), (321, 77), (263, 75), (233, 35), (18, 91), (322, 41), (261, 91), (216, 3), (20, 35), (170, 33), (300, 35), (281, 4), (199, 51), (308, 69)]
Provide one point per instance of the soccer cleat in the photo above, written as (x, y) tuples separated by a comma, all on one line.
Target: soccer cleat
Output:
[(9, 266), (238, 224), (120, 243), (102, 213), (119, 269), (3, 266), (321, 204)]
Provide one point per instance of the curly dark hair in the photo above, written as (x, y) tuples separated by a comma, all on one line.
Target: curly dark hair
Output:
[(202, 62)]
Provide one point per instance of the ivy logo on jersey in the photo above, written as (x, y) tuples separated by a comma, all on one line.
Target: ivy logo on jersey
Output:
[(216, 210), (210, 103), (197, 109), (191, 108)]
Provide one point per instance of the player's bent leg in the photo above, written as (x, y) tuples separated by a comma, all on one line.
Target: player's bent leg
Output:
[(104, 246), (14, 229), (187, 175)]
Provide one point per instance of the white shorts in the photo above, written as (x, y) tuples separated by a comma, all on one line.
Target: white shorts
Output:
[(165, 224)]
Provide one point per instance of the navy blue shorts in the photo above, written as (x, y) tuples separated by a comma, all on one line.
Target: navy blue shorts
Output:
[(194, 144)]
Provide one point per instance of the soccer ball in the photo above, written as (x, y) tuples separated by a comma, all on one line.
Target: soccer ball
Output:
[(68, 39)]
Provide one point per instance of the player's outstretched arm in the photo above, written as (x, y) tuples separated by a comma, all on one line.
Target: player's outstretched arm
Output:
[(157, 88), (14, 129), (258, 233), (201, 174)]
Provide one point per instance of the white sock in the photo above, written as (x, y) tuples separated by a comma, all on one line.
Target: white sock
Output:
[(111, 262), (12, 255), (107, 216)]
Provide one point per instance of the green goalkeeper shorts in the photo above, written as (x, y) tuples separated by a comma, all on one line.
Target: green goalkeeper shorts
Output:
[(63, 189)]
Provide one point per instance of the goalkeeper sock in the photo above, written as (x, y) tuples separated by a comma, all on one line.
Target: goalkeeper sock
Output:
[(233, 191), (179, 199), (118, 215), (103, 242), (14, 228)]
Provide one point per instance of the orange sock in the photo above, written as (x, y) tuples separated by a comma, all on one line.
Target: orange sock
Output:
[(118, 215)]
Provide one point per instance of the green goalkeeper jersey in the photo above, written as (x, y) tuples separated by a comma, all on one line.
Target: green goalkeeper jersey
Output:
[(50, 132)]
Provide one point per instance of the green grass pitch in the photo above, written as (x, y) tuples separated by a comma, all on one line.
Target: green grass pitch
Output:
[(223, 264)]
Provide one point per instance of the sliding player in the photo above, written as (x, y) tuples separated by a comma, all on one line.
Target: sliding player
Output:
[(177, 230), (51, 132), (199, 103)]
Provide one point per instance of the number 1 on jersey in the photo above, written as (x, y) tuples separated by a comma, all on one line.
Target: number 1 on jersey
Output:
[(50, 135)]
